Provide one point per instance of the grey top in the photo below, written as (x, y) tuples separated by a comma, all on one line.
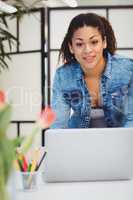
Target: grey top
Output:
[(97, 118)]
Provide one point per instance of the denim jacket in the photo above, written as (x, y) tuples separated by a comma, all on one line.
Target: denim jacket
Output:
[(72, 102)]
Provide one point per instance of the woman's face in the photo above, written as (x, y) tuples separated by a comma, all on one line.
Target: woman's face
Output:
[(87, 47)]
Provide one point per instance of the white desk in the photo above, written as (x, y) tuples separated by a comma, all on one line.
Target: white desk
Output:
[(115, 190)]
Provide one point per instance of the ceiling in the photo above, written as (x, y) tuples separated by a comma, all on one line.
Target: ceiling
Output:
[(60, 3)]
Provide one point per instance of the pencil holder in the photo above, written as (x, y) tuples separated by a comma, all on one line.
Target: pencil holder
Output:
[(27, 181)]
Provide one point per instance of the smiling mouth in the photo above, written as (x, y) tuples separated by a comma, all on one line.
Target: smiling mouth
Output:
[(89, 59)]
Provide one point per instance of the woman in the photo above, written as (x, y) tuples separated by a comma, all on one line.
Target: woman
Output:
[(94, 87)]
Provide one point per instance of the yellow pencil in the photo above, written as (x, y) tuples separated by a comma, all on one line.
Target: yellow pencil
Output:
[(33, 165), (16, 165), (31, 175)]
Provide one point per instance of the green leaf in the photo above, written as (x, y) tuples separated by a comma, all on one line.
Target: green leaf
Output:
[(3, 19), (5, 117), (2, 178), (17, 141), (7, 34), (7, 153), (27, 142), (3, 66), (3, 63), (2, 50)]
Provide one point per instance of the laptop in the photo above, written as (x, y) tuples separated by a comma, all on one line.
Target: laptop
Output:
[(89, 154)]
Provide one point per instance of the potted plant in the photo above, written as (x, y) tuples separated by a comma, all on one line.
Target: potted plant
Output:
[(8, 146), (5, 36)]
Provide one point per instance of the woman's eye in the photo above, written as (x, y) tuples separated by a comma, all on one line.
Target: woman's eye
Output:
[(94, 42), (79, 44)]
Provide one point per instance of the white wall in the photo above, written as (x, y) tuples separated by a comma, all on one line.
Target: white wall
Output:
[(22, 82)]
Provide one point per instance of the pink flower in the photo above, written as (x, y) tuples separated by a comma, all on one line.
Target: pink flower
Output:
[(2, 100), (47, 117)]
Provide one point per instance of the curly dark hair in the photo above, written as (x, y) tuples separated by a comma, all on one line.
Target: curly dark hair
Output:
[(88, 19)]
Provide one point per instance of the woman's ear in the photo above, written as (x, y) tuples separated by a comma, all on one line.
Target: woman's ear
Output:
[(70, 48)]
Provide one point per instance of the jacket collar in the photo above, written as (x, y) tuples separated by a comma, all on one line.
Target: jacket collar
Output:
[(79, 72), (108, 68)]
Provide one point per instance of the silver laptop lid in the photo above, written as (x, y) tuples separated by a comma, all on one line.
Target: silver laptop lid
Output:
[(89, 154)]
